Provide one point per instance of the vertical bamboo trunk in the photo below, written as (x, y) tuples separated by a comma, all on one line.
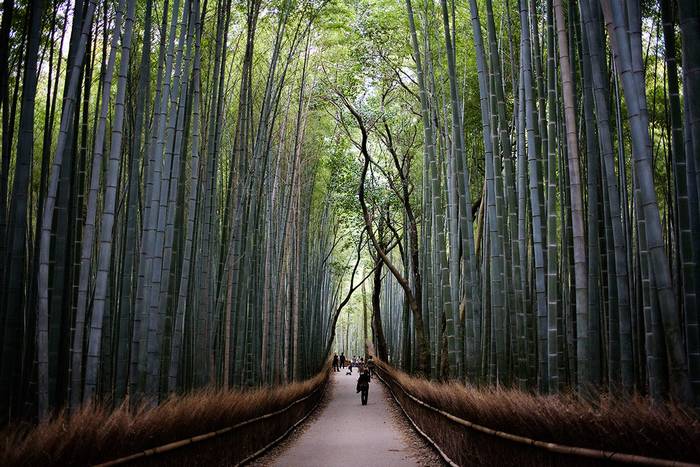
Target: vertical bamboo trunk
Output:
[(553, 286), (687, 217), (579, 247), (127, 317), (189, 247), (90, 219), (638, 120), (104, 259), (536, 215), (594, 250), (14, 271), (620, 302), (50, 201)]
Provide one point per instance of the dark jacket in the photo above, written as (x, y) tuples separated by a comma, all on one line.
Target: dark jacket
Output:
[(363, 382)]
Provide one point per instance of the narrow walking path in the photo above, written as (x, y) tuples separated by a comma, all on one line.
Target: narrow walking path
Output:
[(346, 433)]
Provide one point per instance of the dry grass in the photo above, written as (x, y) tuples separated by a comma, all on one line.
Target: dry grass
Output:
[(631, 426), (96, 434)]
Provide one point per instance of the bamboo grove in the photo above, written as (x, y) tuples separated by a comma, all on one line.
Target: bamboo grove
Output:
[(194, 191), (164, 222), (547, 222)]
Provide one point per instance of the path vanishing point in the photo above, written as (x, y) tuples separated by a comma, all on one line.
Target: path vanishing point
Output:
[(345, 433)]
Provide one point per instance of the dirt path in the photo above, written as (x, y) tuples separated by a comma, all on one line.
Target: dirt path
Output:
[(345, 433)]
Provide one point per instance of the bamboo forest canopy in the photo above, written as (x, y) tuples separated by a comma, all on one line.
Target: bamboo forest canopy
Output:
[(198, 192)]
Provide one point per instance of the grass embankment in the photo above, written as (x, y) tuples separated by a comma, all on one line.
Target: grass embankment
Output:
[(629, 426), (96, 434)]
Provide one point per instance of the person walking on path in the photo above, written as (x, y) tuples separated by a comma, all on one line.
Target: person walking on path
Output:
[(370, 366), (342, 360), (335, 362), (363, 386)]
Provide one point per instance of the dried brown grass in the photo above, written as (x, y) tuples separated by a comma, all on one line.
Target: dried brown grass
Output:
[(95, 434), (630, 426)]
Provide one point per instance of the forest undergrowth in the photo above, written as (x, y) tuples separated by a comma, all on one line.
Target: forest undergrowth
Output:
[(631, 425), (110, 434)]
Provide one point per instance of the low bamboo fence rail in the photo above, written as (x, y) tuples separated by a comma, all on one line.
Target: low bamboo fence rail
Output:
[(233, 445), (462, 442)]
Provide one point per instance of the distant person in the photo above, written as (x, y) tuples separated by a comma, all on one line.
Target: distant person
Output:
[(335, 362), (370, 366), (342, 360), (350, 364), (363, 386)]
